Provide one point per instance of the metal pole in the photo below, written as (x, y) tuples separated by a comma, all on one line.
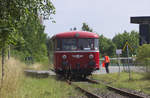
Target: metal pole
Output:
[(119, 63), (128, 63)]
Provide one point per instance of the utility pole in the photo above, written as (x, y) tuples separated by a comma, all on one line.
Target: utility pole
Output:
[(128, 63), (119, 63), (128, 46), (118, 52)]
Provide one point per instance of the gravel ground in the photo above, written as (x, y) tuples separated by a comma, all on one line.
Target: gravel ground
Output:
[(107, 94), (136, 92), (100, 92)]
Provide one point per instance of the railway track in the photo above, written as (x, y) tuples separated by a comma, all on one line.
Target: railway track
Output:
[(117, 90), (87, 93)]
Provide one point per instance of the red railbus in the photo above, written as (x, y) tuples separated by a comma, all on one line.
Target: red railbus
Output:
[(76, 53)]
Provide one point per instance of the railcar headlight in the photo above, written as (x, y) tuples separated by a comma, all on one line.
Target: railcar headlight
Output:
[(91, 56), (64, 57)]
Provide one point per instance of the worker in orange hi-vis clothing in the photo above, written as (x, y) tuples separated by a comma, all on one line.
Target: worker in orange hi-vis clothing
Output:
[(106, 63)]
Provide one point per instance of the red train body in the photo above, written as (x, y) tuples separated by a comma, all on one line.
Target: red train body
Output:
[(76, 53)]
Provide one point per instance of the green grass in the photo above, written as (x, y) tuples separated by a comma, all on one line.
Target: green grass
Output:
[(137, 82), (46, 88), (17, 85)]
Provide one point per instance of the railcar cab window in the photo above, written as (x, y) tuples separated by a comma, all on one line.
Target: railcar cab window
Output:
[(88, 44), (69, 44), (85, 44)]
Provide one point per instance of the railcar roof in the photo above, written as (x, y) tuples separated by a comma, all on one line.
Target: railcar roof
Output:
[(76, 34)]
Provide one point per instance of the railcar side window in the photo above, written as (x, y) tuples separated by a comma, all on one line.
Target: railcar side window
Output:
[(69, 44), (57, 44), (96, 44)]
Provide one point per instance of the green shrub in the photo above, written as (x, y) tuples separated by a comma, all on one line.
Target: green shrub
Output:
[(143, 57), (143, 54)]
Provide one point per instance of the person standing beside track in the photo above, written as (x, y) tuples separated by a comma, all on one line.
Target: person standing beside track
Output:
[(106, 61)]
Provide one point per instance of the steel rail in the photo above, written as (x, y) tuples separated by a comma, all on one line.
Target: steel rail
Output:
[(120, 91), (126, 93)]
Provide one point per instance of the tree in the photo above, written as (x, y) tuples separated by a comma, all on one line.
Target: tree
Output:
[(106, 46), (50, 48), (35, 41), (15, 14), (85, 27), (131, 37)]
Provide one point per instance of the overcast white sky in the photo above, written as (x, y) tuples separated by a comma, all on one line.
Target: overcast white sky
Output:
[(107, 17)]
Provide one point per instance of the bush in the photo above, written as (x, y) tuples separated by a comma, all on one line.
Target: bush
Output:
[(143, 54), (143, 57)]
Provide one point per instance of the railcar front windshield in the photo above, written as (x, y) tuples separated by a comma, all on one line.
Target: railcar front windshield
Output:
[(83, 44), (69, 44), (88, 44)]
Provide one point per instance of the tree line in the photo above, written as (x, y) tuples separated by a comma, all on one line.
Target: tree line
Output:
[(21, 29)]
